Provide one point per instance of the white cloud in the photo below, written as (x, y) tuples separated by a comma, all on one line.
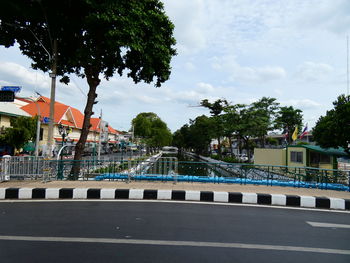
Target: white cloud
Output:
[(241, 73), (10, 71), (312, 71), (303, 104), (260, 48), (205, 87), (330, 15), (189, 66), (32, 80), (188, 19), (278, 91)]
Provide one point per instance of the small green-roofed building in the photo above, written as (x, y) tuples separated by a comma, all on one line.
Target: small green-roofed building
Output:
[(313, 156)]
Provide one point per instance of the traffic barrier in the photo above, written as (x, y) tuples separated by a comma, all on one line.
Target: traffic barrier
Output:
[(176, 195)]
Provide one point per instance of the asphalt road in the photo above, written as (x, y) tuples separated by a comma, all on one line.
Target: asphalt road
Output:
[(168, 232)]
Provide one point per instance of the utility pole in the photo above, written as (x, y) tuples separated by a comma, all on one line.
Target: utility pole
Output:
[(99, 138), (52, 99), (347, 63)]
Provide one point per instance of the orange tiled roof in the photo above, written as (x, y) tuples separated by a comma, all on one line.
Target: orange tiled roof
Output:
[(67, 123), (95, 124), (111, 130), (60, 109), (78, 117)]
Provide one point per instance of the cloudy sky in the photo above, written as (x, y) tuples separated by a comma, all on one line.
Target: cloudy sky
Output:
[(240, 50)]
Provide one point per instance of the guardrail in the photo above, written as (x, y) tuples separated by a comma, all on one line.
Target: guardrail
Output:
[(170, 169)]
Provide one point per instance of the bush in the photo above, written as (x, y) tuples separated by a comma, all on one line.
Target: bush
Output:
[(229, 159), (216, 157)]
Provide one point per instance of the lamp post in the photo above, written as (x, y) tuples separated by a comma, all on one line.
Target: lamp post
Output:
[(63, 131), (53, 60)]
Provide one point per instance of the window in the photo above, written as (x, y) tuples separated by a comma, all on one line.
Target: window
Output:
[(325, 158), (296, 157), (41, 134), (316, 158)]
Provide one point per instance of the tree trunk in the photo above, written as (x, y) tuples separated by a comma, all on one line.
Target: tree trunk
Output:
[(263, 141), (93, 81)]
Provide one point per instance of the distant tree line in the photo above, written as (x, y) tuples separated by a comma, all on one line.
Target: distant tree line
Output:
[(241, 122)]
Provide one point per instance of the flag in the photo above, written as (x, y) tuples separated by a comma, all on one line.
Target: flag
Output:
[(304, 132), (295, 134)]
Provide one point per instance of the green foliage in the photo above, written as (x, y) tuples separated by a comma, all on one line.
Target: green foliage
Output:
[(287, 119), (229, 159), (202, 130), (215, 157), (93, 38), (182, 137), (239, 121), (215, 108), (302, 143), (272, 141), (197, 135), (153, 131), (264, 111), (22, 131), (333, 129)]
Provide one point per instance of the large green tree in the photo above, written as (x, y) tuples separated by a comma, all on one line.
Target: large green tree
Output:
[(231, 122), (94, 39), (333, 129), (288, 119), (151, 129), (182, 137), (196, 135), (247, 121), (265, 111), (202, 130), (216, 109)]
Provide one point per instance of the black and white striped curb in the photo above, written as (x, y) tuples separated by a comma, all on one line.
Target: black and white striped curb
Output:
[(178, 195)]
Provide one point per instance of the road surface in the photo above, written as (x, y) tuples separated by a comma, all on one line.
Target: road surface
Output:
[(125, 231)]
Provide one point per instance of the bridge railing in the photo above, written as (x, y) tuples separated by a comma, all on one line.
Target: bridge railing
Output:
[(170, 169)]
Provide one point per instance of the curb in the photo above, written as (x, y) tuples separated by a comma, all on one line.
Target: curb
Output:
[(176, 195)]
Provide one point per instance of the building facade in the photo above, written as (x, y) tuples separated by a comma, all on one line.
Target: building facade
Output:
[(65, 116)]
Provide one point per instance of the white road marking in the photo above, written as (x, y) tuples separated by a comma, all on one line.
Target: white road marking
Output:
[(319, 224), (175, 243)]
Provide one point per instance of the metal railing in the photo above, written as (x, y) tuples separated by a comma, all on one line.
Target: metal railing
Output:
[(170, 169)]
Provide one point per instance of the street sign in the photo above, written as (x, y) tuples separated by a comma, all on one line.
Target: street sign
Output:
[(46, 120), (14, 89), (7, 96)]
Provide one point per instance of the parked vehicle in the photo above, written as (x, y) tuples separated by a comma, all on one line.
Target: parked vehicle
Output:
[(242, 157)]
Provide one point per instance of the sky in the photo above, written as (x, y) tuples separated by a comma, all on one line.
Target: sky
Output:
[(239, 50)]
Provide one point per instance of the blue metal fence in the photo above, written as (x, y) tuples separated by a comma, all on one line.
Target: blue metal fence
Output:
[(170, 169)]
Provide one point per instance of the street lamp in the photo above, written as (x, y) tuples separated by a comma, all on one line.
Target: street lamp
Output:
[(63, 131)]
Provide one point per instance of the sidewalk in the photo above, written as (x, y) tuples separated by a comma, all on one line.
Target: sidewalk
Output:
[(179, 186)]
